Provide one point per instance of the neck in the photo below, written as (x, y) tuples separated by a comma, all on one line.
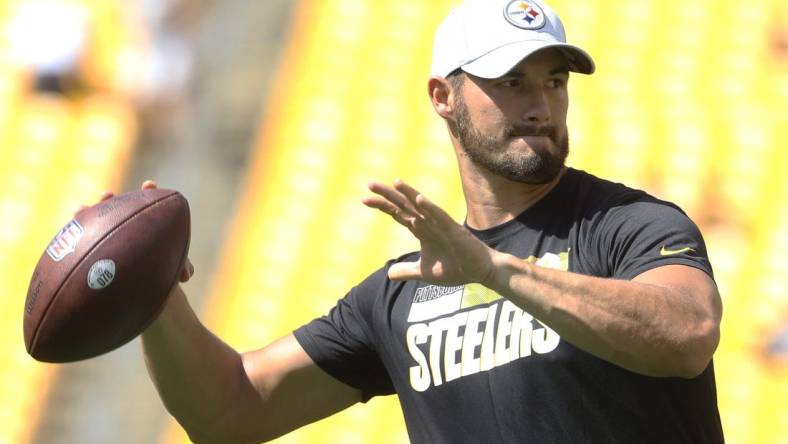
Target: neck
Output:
[(492, 200)]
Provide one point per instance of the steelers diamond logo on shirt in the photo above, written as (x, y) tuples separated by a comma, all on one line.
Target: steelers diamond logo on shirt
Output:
[(524, 14)]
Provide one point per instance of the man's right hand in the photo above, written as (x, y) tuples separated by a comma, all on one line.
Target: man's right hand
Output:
[(220, 395), (188, 268)]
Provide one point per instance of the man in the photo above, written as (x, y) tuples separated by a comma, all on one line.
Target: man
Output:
[(566, 309)]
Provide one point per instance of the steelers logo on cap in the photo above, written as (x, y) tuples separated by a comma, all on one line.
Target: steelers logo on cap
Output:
[(524, 14)]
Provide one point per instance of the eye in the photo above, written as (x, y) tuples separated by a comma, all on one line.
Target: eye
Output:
[(556, 83), (510, 83)]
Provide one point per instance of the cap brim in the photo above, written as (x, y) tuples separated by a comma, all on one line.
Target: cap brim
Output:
[(500, 61)]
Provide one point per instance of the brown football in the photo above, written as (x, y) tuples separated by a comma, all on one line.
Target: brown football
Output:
[(106, 275)]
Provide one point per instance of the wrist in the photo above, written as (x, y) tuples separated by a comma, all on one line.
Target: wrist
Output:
[(172, 315), (499, 277)]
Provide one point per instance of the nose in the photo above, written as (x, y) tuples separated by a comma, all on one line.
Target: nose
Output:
[(536, 109)]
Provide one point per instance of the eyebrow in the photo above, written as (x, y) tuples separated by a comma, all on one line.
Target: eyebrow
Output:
[(562, 69)]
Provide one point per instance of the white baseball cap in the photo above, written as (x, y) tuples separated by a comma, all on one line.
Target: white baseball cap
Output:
[(487, 38)]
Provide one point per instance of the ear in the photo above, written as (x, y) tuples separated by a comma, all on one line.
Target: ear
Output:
[(441, 96)]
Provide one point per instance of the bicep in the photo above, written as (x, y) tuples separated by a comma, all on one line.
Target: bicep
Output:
[(693, 313), (285, 390), (699, 290)]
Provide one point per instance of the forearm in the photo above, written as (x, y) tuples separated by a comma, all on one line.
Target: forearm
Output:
[(196, 374), (665, 322), (648, 329)]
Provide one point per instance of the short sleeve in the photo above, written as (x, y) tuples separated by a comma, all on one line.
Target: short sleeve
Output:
[(342, 342), (645, 234)]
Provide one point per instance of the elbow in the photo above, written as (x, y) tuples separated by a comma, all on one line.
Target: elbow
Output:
[(204, 434), (224, 430), (198, 437), (699, 348), (202, 437)]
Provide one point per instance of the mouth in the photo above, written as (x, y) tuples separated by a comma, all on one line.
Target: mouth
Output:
[(532, 137), (533, 132)]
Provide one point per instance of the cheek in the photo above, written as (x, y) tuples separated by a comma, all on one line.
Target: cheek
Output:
[(483, 111), (559, 105), (488, 119), (562, 113), (563, 103)]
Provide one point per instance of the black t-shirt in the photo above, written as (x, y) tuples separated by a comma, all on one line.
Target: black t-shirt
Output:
[(471, 367)]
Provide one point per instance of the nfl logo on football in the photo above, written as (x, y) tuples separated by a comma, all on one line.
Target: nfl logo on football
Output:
[(65, 241)]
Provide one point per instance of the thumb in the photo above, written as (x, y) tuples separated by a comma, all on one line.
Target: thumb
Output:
[(403, 271)]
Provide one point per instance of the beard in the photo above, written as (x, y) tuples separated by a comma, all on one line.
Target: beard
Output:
[(538, 166)]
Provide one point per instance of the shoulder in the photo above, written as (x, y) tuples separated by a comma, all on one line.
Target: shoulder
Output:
[(625, 231), (602, 198), (603, 193)]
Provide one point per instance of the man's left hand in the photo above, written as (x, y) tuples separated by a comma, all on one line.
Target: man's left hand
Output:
[(450, 254)]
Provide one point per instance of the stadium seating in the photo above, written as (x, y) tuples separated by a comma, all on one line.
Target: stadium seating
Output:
[(689, 102), (668, 111), (56, 153)]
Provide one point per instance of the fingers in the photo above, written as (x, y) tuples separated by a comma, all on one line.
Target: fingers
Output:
[(187, 271), (398, 206), (410, 208), (414, 197), (422, 204), (437, 213), (388, 208), (107, 195), (396, 198), (403, 271), (104, 196), (407, 190)]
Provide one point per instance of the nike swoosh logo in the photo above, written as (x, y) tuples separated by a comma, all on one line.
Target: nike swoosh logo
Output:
[(665, 252)]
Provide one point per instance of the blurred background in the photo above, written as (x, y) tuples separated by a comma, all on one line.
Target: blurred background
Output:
[(271, 116)]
